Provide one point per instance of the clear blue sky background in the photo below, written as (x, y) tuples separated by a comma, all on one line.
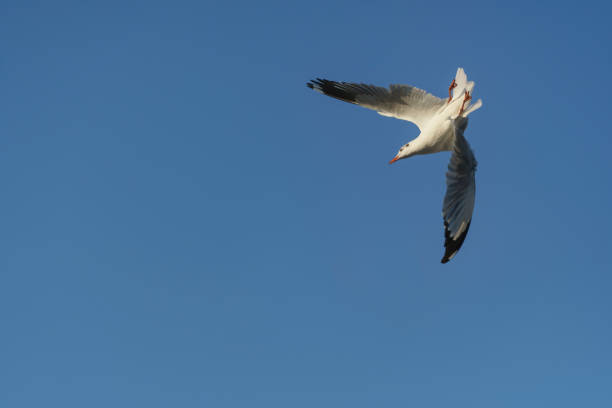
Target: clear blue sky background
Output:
[(184, 224)]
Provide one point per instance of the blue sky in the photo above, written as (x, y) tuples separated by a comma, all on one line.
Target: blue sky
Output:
[(184, 223)]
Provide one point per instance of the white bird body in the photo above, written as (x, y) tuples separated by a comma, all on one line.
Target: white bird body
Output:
[(436, 136), (437, 133), (442, 123)]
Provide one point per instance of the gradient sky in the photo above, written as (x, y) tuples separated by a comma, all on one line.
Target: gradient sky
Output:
[(185, 224)]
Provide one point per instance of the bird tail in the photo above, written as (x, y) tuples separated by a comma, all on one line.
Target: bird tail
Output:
[(472, 108), (464, 85)]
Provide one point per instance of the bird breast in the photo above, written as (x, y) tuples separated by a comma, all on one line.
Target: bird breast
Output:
[(438, 135)]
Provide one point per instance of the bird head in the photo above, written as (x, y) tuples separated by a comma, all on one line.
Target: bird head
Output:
[(404, 152)]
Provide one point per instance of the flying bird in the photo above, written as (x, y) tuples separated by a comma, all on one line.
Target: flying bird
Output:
[(442, 123)]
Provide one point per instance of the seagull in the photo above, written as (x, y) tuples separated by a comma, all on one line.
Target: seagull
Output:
[(442, 123)]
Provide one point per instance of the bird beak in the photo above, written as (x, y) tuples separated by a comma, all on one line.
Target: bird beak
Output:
[(396, 158)]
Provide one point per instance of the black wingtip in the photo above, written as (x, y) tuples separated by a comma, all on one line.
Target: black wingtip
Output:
[(315, 83), (339, 90), (451, 245)]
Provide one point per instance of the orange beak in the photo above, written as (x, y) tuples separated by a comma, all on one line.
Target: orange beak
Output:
[(396, 158)]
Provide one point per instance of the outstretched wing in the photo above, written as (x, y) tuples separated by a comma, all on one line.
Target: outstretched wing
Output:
[(399, 101), (460, 193)]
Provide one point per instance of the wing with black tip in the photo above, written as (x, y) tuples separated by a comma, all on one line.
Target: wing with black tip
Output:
[(399, 101), (460, 193)]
